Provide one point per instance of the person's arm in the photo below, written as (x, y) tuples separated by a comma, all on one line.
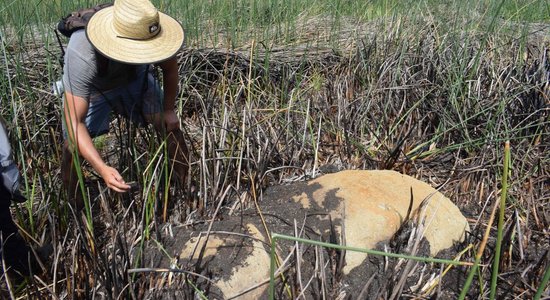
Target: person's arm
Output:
[(170, 77), (75, 111)]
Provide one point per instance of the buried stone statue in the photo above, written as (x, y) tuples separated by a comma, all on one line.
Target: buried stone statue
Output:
[(382, 210)]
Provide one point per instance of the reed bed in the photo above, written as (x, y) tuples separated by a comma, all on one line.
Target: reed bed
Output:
[(431, 95)]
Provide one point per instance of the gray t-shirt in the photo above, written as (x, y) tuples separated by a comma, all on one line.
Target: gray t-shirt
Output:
[(80, 73)]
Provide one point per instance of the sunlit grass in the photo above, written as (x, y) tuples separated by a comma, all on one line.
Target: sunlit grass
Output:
[(234, 22), (289, 86)]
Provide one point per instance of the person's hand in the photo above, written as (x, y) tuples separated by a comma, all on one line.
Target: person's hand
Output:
[(171, 120), (113, 180)]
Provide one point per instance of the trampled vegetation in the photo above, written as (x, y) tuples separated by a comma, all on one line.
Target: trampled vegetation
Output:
[(279, 91)]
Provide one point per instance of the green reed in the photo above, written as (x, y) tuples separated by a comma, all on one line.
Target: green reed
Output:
[(463, 37)]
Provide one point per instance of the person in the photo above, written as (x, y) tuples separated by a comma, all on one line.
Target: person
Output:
[(107, 70), (14, 251)]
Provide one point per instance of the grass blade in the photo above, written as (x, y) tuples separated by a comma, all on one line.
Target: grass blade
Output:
[(503, 195)]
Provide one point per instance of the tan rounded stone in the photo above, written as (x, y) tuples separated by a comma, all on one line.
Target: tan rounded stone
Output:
[(370, 206), (246, 278), (373, 205)]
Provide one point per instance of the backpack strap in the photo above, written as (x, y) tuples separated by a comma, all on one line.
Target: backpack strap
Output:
[(61, 58)]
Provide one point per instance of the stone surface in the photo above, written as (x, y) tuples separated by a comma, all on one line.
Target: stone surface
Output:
[(373, 204), (244, 274), (362, 209)]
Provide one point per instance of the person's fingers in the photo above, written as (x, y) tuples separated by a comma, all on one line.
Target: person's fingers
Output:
[(114, 181), (120, 184), (118, 177), (118, 187), (114, 188)]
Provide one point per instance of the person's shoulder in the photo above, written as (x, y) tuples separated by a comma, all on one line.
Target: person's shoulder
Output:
[(79, 35), (80, 46), (79, 38), (80, 57)]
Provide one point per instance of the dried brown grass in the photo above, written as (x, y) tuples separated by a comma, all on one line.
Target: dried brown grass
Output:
[(427, 105)]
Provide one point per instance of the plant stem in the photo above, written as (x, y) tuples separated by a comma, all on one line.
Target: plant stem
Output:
[(494, 277), (470, 277)]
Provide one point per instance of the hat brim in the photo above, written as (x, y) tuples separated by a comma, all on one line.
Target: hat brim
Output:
[(101, 34)]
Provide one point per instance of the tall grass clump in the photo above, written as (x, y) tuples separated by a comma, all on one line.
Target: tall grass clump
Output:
[(274, 92)]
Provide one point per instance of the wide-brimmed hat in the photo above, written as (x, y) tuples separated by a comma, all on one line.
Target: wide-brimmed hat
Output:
[(134, 32)]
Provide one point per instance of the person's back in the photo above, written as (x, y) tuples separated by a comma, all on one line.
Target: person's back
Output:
[(86, 72)]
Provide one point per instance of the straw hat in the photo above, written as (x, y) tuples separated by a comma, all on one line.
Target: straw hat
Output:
[(134, 32)]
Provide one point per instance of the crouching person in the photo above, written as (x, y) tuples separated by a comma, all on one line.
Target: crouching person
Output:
[(17, 258), (107, 70)]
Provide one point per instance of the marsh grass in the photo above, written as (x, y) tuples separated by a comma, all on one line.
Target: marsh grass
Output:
[(278, 91)]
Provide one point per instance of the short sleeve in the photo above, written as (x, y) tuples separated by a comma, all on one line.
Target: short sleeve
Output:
[(80, 65)]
